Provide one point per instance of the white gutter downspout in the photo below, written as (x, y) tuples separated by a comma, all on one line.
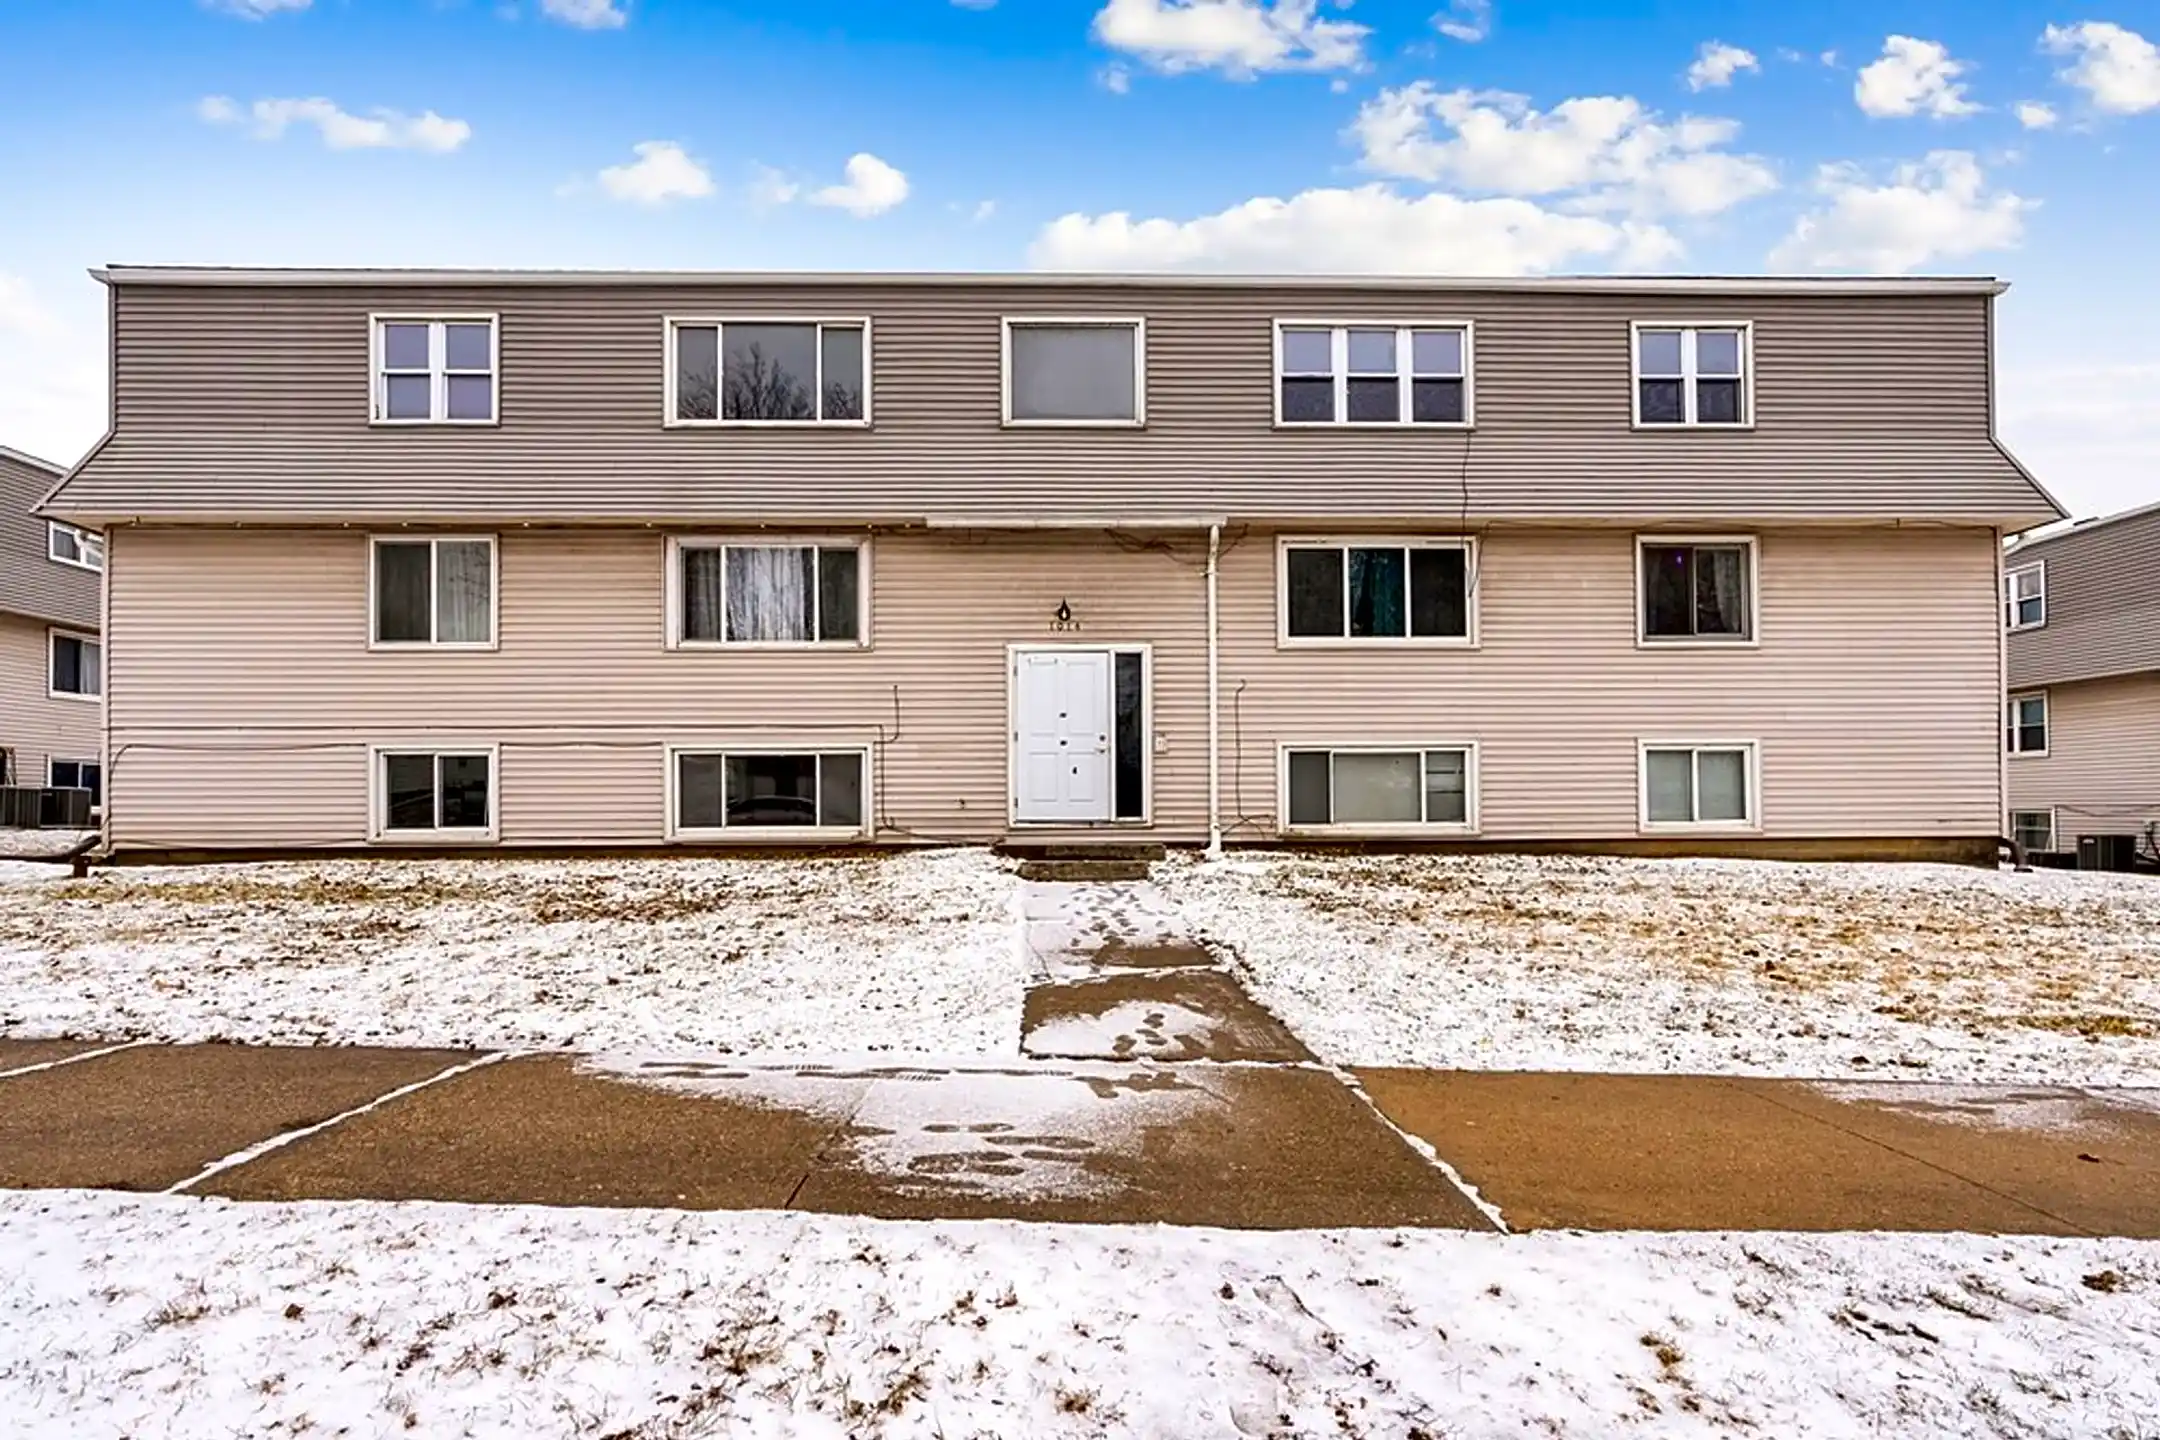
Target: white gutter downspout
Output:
[(2002, 692), (1214, 699)]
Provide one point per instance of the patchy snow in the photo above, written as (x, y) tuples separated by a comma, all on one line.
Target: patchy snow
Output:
[(1694, 966), (1014, 1131), (907, 952), (47, 845), (1069, 922), (1141, 1029), (2028, 1108), (183, 1318)]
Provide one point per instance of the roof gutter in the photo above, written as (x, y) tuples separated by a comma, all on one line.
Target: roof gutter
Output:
[(1737, 285)]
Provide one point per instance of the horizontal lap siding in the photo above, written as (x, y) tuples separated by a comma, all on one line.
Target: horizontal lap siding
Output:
[(2101, 774), (1872, 694), (2103, 604), (32, 583), (242, 645), (253, 402), (33, 724)]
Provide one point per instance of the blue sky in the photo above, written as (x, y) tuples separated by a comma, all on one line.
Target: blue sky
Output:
[(1441, 136)]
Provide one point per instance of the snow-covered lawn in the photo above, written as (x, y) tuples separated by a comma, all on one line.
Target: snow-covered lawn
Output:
[(174, 1317), (1695, 966), (811, 956)]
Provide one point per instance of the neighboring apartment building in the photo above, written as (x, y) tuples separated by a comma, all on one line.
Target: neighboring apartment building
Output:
[(520, 559), (52, 722), (2082, 606)]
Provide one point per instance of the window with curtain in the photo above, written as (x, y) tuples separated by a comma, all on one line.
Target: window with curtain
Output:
[(1379, 590), (69, 545), (438, 591), (2025, 597), (1358, 787), (1697, 590), (1698, 785), (748, 594), (78, 666), (1073, 372)]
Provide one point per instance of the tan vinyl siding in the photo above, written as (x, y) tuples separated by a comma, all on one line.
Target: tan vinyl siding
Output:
[(244, 696), (252, 402), (2103, 603), (2101, 774), (35, 726), (32, 583), (1871, 694), (582, 696)]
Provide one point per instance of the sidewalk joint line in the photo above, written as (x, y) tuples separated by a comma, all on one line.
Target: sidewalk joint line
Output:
[(1423, 1147), (73, 1059), (278, 1142), (1980, 1185)]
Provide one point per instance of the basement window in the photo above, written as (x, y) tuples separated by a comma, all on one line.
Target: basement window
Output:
[(769, 794), (1691, 786), (446, 795), (1376, 788), (2034, 830)]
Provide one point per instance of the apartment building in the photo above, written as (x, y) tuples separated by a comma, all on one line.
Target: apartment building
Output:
[(51, 658), (2082, 728), (515, 559)]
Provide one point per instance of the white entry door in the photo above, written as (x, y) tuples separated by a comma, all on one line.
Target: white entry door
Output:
[(1061, 730)]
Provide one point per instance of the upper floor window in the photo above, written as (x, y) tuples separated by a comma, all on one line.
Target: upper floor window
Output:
[(435, 370), (768, 372), (70, 546), (2026, 732), (761, 592), (434, 591), (1377, 590), (77, 669), (1693, 375), (1075, 371), (1697, 590), (1371, 374), (2025, 596)]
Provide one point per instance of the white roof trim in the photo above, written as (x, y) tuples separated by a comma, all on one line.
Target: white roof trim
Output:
[(10, 453), (1071, 522), (2063, 529), (1736, 285)]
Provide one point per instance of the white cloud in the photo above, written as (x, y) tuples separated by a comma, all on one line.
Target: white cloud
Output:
[(255, 9), (1371, 229), (1609, 150), (1913, 77), (2036, 115), (1939, 208), (1466, 20), (1716, 63), (872, 187), (663, 172), (340, 129), (586, 14), (2089, 431), (1115, 78), (984, 209), (52, 370), (772, 188), (2118, 68), (1238, 37)]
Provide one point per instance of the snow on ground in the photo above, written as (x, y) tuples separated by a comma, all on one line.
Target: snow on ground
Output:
[(911, 952), (44, 844), (178, 1317), (1695, 966)]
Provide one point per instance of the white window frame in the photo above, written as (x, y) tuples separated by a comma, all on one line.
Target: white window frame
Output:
[(53, 636), (1339, 342), (379, 831), (1644, 640), (1753, 824), (678, 833), (1284, 640), (1005, 370), (672, 595), (431, 540), (1397, 830), (2011, 597), (1688, 376), (86, 543), (52, 781), (2011, 727), (672, 323), (2054, 833), (438, 386)]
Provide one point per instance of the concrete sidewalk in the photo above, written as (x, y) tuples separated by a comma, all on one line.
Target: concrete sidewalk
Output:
[(1196, 1143)]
